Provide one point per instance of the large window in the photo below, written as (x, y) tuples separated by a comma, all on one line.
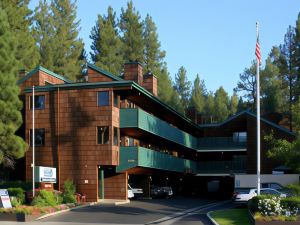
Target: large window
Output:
[(103, 98), (116, 136), (103, 135), (39, 137), (116, 100), (39, 102), (240, 137)]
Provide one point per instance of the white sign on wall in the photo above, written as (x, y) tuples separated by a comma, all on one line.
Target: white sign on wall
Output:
[(45, 174), (4, 199)]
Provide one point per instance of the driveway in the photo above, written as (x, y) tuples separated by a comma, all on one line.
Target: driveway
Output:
[(183, 211)]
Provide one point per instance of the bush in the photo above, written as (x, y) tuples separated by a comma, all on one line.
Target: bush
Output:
[(19, 195), (270, 206), (27, 186), (291, 205), (294, 188), (69, 192), (44, 198), (253, 203)]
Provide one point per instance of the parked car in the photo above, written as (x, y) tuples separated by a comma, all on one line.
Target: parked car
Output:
[(130, 192), (272, 185), (138, 192), (161, 192), (245, 194)]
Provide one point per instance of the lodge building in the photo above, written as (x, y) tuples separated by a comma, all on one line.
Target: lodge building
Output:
[(111, 130)]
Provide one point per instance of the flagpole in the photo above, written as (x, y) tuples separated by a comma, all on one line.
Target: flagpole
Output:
[(33, 144), (258, 117)]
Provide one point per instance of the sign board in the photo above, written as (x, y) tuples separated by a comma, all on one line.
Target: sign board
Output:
[(45, 174), (4, 199)]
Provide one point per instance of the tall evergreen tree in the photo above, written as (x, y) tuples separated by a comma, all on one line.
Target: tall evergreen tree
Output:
[(56, 32), (221, 105), (132, 34), (106, 43), (11, 146), (198, 94), (182, 86), (247, 84), (234, 102), (288, 68), (68, 46), (19, 21), (153, 56), (44, 34), (209, 108)]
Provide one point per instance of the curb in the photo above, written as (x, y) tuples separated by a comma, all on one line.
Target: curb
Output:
[(65, 210), (210, 218)]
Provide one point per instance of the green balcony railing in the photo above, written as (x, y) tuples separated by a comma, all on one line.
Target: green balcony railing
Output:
[(140, 119), (142, 157), (237, 165), (214, 143)]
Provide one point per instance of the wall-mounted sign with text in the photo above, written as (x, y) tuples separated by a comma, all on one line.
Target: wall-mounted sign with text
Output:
[(45, 174)]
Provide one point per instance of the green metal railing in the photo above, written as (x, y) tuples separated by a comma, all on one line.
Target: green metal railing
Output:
[(145, 121), (213, 143), (138, 118), (237, 165), (143, 157)]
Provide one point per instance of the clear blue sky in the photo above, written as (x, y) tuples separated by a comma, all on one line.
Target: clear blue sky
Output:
[(214, 38)]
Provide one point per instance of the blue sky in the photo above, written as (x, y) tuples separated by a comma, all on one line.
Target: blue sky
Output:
[(214, 38)]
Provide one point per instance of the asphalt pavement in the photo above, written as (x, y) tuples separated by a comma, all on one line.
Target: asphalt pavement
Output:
[(175, 211)]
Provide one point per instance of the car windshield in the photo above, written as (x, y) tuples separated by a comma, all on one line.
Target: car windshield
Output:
[(242, 190)]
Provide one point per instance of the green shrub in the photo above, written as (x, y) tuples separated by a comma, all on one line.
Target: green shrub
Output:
[(69, 192), (253, 203), (294, 188), (291, 203), (27, 186), (19, 195), (44, 198)]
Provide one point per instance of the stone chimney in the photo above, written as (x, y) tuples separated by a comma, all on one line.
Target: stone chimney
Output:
[(133, 71), (150, 83)]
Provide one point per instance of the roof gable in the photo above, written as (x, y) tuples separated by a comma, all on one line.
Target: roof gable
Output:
[(104, 72), (40, 68)]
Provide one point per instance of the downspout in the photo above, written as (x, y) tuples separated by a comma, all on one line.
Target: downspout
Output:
[(58, 133)]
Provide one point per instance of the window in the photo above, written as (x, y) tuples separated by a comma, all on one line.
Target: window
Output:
[(240, 137), (39, 102), (103, 98), (116, 136), (116, 100), (39, 137), (103, 135)]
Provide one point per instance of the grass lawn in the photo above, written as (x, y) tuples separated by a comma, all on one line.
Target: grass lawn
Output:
[(231, 217)]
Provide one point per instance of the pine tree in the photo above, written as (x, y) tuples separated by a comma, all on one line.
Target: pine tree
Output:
[(273, 96), (198, 95), (241, 105), (221, 105), (132, 34), (153, 56), (19, 21), (182, 86), (106, 43), (247, 84), (11, 146), (234, 102), (209, 108), (288, 68), (44, 33)]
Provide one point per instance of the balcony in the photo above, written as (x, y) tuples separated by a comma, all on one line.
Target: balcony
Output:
[(142, 157), (137, 118), (221, 144), (237, 165)]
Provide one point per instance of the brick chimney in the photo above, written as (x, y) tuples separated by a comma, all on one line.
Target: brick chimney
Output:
[(133, 71), (150, 83), (22, 73)]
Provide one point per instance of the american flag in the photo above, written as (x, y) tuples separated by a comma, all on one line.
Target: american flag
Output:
[(257, 51)]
